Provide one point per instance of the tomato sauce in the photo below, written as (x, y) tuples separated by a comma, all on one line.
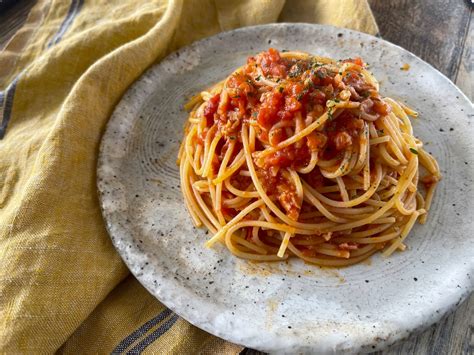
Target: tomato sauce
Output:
[(272, 93)]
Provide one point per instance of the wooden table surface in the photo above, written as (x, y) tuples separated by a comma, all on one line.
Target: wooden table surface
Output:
[(441, 33)]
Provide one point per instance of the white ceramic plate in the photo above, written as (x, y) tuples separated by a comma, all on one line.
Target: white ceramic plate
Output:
[(292, 306)]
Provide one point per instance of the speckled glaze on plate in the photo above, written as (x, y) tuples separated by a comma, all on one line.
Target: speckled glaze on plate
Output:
[(286, 307)]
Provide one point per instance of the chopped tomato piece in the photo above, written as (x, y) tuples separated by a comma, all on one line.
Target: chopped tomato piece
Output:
[(342, 140), (271, 63), (272, 102), (211, 109), (316, 141), (292, 104)]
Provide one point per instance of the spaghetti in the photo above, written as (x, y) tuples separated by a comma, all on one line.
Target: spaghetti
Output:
[(299, 155)]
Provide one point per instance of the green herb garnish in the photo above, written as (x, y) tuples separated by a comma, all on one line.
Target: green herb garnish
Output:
[(330, 114), (414, 151)]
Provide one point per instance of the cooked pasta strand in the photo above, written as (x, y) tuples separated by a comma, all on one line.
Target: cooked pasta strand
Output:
[(302, 157)]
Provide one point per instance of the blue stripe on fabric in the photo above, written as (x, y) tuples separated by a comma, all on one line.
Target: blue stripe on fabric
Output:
[(6, 97), (7, 104), (129, 340), (71, 14), (137, 349)]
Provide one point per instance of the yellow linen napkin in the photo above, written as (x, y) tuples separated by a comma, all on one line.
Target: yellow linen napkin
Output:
[(62, 285)]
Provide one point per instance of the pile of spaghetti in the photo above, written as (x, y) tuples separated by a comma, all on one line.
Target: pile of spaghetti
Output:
[(299, 155)]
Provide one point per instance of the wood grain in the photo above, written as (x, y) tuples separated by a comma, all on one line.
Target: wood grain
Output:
[(465, 75), (452, 335), (441, 33), (434, 30)]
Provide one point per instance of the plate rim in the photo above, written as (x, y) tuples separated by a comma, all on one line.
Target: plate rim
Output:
[(402, 333)]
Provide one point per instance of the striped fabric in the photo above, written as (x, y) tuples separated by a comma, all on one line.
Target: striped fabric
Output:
[(131, 321), (140, 332), (6, 103), (74, 9), (63, 288), (7, 96)]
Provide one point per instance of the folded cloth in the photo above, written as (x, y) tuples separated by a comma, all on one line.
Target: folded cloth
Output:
[(62, 285)]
